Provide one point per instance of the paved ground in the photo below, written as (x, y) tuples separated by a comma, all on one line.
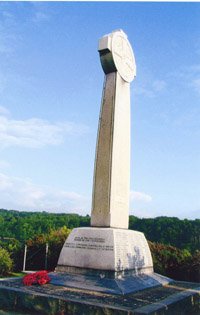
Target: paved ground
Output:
[(180, 298)]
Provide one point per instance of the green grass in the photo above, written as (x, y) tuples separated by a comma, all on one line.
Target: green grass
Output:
[(13, 274)]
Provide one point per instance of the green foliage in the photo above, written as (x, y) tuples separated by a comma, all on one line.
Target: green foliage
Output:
[(26, 225), (192, 267), (177, 257), (184, 234), (37, 247), (15, 249), (175, 263), (5, 262)]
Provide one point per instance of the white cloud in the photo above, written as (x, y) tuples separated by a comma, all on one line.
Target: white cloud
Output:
[(40, 16), (143, 90), (3, 110), (22, 194), (196, 85), (8, 35), (193, 69), (140, 196), (3, 82), (5, 183), (4, 164), (39, 13), (189, 76), (5, 41), (35, 133), (159, 85), (151, 88)]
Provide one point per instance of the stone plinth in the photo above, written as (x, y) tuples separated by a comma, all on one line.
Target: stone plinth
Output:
[(177, 298), (106, 249)]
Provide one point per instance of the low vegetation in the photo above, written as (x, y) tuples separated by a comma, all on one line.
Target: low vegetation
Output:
[(176, 263), (174, 243), (6, 262)]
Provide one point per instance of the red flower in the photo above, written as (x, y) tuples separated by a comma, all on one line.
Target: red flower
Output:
[(40, 277), (42, 281)]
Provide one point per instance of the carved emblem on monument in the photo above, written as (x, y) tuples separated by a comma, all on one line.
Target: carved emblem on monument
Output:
[(117, 55), (123, 56)]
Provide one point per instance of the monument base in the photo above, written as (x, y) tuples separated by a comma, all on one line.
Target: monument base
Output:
[(181, 298), (108, 260), (108, 282), (105, 249)]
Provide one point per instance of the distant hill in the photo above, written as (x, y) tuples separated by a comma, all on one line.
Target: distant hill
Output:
[(184, 234), (24, 225)]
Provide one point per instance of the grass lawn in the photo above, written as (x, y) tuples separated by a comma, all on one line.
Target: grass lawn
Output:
[(13, 274)]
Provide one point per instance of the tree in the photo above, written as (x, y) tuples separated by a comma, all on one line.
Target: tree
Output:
[(5, 262), (37, 246)]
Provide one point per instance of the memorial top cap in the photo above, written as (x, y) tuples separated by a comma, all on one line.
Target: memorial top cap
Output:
[(116, 54)]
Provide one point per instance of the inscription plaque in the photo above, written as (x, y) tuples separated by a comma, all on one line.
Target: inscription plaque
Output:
[(93, 243), (107, 249)]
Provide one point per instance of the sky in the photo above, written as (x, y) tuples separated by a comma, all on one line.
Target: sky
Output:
[(50, 94)]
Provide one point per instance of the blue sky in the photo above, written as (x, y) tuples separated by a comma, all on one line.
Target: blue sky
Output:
[(50, 92)]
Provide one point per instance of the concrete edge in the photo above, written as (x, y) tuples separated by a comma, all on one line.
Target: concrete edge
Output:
[(19, 291), (155, 307)]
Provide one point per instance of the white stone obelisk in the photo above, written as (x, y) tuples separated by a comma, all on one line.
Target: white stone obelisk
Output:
[(108, 245), (110, 206)]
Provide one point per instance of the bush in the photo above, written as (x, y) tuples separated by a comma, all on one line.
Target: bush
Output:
[(36, 249), (192, 268), (16, 251), (175, 263), (5, 262)]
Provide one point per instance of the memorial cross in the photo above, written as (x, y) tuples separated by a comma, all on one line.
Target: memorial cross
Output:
[(111, 185)]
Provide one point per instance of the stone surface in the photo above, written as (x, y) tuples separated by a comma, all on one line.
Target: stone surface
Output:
[(176, 298), (116, 54), (110, 206), (106, 283), (106, 249), (111, 187)]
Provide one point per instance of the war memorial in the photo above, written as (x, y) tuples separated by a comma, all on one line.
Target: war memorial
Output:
[(106, 268)]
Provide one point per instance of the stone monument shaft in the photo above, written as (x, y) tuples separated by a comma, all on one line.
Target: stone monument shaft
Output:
[(112, 167), (111, 186), (108, 247)]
